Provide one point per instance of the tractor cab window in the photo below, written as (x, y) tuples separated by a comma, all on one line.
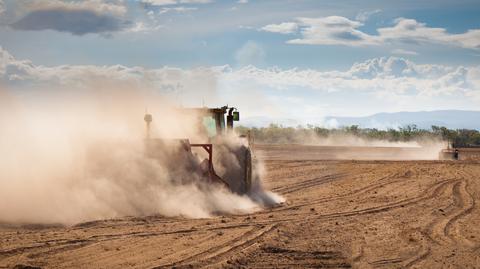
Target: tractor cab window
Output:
[(221, 121), (210, 126)]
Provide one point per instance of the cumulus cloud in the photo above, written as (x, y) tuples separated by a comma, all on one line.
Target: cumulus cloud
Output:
[(365, 15), (179, 9), (114, 7), (383, 78), (159, 2), (409, 30), (2, 8), (282, 28), (174, 2), (77, 18), (142, 27), (332, 30), (250, 53), (404, 52), (380, 77), (76, 22), (195, 1), (337, 30)]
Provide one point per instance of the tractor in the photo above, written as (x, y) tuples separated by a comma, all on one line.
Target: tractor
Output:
[(450, 153), (221, 147)]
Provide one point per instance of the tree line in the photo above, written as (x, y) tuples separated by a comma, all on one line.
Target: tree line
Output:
[(275, 133)]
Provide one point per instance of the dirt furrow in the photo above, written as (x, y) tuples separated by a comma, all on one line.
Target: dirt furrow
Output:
[(467, 204), (402, 203), (216, 252), (351, 194)]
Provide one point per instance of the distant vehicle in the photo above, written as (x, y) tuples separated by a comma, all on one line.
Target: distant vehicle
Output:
[(452, 152)]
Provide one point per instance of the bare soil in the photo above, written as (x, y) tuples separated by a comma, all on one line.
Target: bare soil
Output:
[(338, 214)]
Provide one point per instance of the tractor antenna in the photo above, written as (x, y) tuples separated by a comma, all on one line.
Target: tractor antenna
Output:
[(148, 119)]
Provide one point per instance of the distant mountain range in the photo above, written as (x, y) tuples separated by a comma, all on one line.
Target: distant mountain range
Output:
[(453, 119)]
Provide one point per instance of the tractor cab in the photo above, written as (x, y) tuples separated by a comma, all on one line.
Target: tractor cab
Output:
[(213, 124), (215, 121)]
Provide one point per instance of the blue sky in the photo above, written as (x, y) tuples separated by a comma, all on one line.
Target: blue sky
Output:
[(303, 59)]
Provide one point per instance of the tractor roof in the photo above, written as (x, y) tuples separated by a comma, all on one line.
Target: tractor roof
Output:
[(204, 110)]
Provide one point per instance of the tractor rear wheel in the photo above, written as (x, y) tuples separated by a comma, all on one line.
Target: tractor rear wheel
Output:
[(248, 170)]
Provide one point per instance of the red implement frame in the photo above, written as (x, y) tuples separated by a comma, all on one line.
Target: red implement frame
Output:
[(209, 149)]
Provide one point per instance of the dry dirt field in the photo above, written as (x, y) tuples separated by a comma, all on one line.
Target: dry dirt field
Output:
[(338, 214)]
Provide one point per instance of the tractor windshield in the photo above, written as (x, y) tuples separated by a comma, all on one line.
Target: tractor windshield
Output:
[(210, 126), (221, 121)]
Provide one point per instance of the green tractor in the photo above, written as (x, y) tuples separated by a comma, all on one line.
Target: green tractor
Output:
[(232, 154)]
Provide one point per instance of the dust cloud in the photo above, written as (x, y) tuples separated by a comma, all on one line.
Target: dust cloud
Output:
[(69, 156), (367, 149), (308, 145)]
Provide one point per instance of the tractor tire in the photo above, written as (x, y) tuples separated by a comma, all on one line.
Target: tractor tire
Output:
[(248, 170)]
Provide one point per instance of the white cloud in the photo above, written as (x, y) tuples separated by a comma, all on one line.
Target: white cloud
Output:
[(179, 9), (332, 30), (141, 27), (387, 73), (103, 17), (242, 1), (160, 2), (75, 17), (395, 76), (174, 2), (409, 30), (404, 52), (282, 28), (365, 15), (249, 27), (395, 80), (2, 8), (251, 53), (116, 7), (196, 1), (336, 30)]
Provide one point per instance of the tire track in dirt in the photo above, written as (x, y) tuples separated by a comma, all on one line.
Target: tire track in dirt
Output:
[(62, 245), (60, 249), (424, 249), (474, 194), (285, 189), (428, 194), (385, 262), (431, 192), (353, 193), (441, 229), (308, 183), (135, 237), (217, 253), (467, 204), (72, 244), (377, 185), (438, 227), (424, 252), (280, 257), (425, 246)]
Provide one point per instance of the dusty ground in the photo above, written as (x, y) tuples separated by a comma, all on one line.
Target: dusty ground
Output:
[(339, 214)]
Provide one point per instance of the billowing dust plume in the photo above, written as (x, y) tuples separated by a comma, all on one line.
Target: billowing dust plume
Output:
[(358, 148), (308, 145), (73, 156)]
